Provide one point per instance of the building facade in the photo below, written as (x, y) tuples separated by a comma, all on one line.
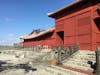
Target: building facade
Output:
[(78, 24), (45, 39)]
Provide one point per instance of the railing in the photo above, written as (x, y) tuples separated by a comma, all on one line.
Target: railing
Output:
[(71, 50), (62, 54)]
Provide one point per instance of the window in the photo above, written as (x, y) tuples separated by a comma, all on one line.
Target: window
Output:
[(97, 22)]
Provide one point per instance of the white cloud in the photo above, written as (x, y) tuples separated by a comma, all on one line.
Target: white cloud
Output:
[(4, 42), (11, 35), (9, 41)]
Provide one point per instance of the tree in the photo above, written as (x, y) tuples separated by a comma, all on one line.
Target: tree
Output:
[(35, 31)]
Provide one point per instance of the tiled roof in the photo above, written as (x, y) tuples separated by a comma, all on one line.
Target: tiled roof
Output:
[(77, 3), (34, 35)]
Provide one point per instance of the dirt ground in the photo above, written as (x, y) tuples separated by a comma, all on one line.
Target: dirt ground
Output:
[(22, 62)]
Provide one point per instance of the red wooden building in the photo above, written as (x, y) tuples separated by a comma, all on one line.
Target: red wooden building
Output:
[(75, 24), (78, 24), (45, 38)]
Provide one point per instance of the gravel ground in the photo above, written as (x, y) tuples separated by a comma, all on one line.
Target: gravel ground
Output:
[(16, 63)]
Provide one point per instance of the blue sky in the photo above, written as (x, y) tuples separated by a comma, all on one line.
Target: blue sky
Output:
[(20, 17)]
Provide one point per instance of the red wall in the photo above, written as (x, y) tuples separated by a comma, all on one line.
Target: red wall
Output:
[(96, 31), (27, 44), (47, 39), (80, 29), (59, 26)]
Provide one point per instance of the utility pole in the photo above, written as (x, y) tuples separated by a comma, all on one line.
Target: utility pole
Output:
[(98, 61)]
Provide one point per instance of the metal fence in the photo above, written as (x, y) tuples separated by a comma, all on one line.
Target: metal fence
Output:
[(62, 54)]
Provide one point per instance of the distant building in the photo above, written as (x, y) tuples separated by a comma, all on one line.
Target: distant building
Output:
[(44, 38)]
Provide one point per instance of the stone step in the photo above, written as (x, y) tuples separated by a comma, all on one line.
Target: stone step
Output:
[(79, 63), (64, 71), (82, 54), (83, 57), (77, 60), (78, 67), (86, 52)]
